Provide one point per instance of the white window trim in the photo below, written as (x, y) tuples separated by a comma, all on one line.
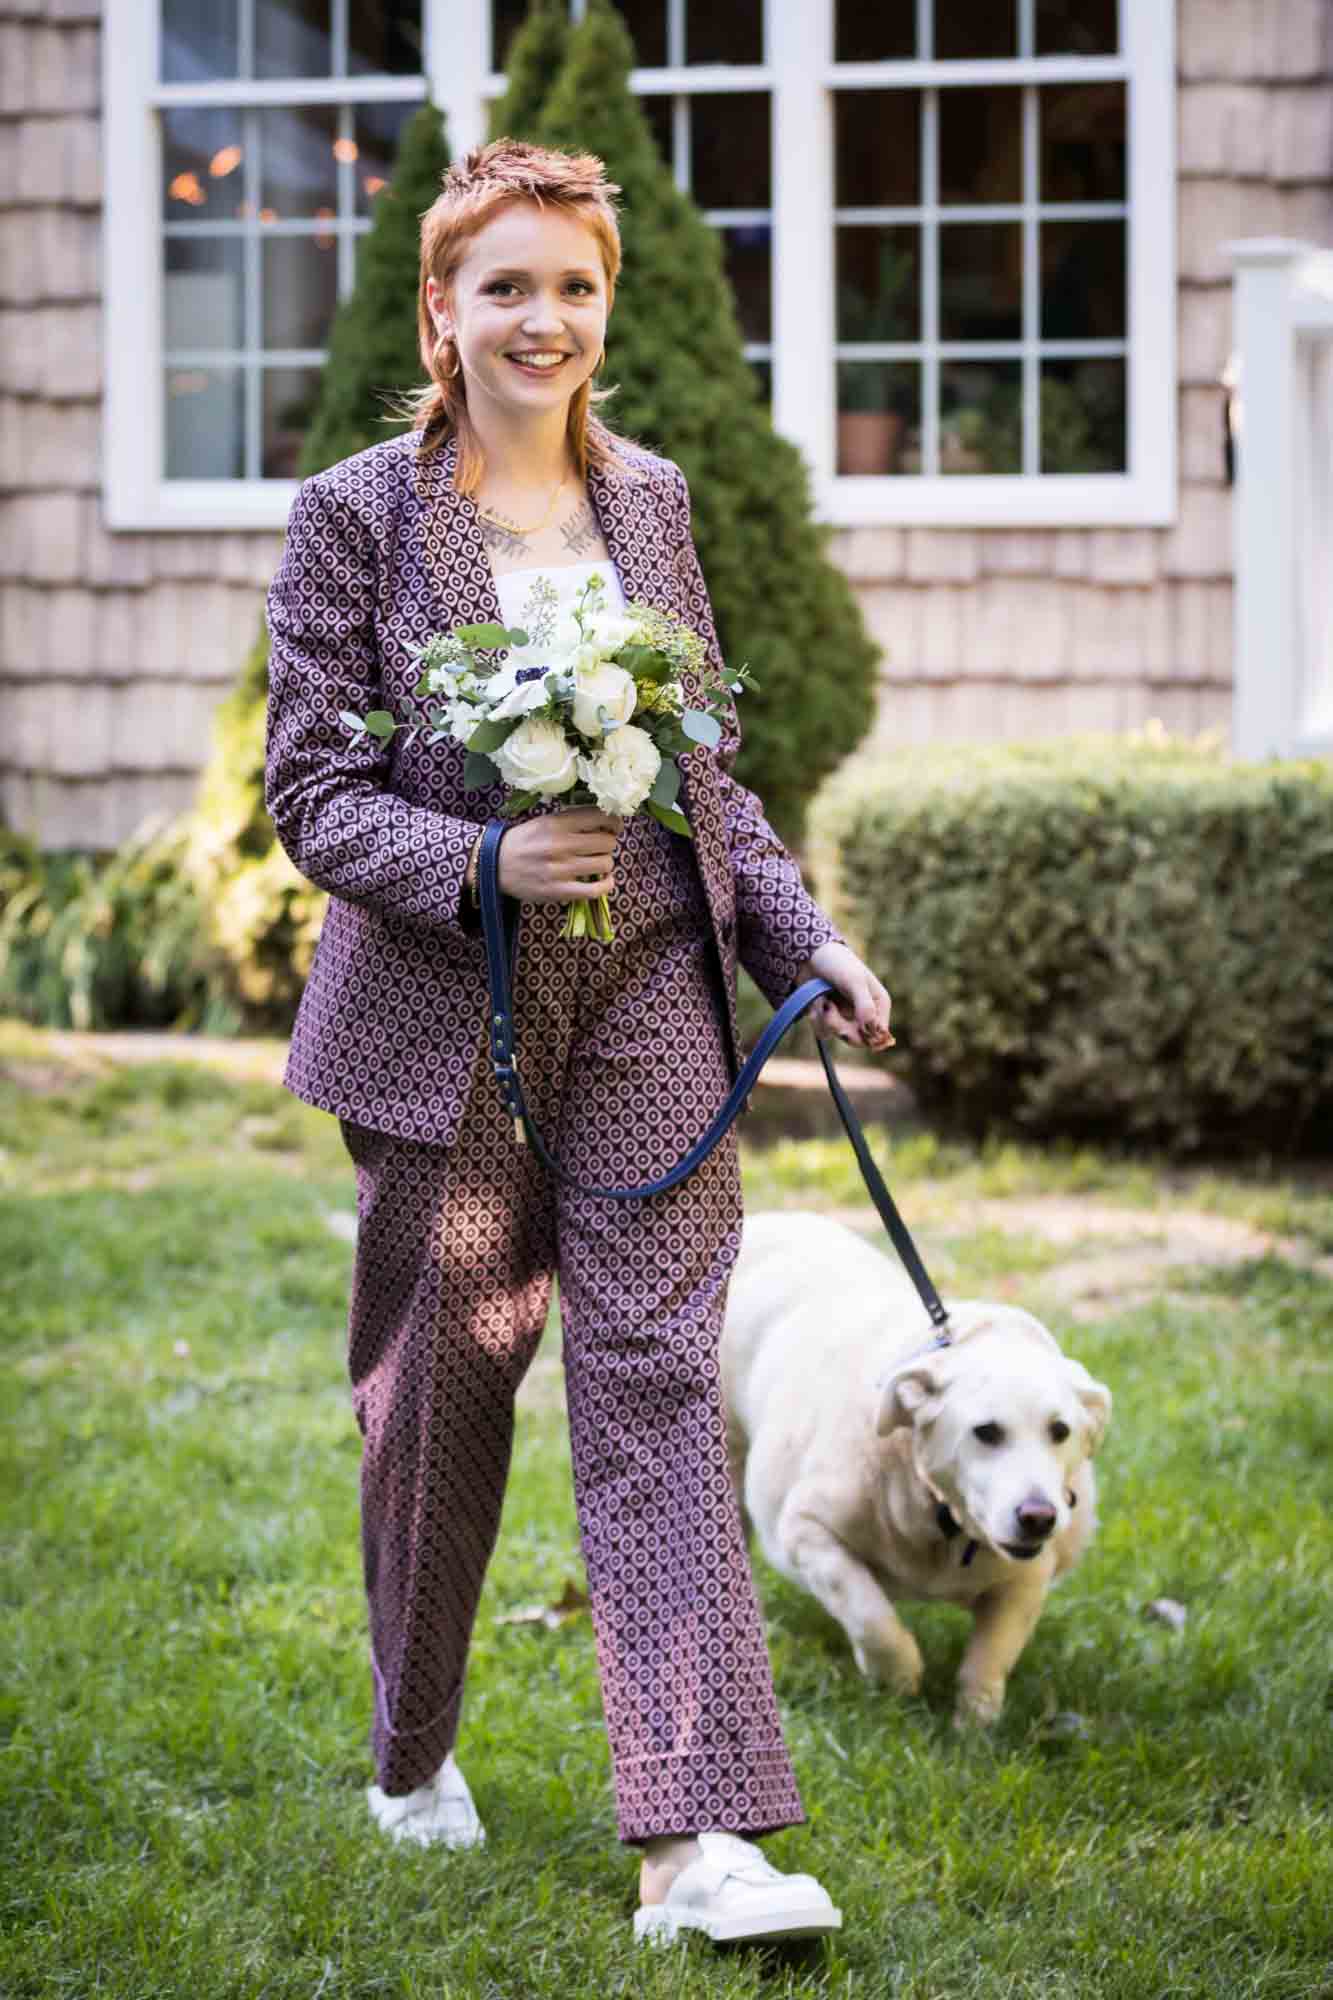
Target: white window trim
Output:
[(136, 495), (801, 76), (800, 48)]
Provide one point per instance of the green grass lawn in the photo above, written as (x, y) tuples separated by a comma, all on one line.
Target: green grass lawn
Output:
[(185, 1689)]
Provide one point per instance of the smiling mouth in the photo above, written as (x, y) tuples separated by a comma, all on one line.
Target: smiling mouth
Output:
[(1023, 1551), (536, 368)]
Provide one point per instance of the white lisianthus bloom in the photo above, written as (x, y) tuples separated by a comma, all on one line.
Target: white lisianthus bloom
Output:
[(520, 700), (597, 685), (536, 757), (622, 773), (610, 630), (462, 719)]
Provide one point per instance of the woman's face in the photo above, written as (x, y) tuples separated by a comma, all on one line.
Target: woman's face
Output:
[(532, 281)]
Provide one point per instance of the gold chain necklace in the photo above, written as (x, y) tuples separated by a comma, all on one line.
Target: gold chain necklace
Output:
[(486, 515)]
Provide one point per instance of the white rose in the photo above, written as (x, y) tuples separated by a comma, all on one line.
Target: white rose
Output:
[(622, 773), (597, 685), (536, 757)]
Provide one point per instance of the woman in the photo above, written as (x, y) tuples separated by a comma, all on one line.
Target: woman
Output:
[(509, 482)]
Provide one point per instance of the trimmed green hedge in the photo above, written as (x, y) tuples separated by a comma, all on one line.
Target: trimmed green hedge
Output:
[(1118, 939)]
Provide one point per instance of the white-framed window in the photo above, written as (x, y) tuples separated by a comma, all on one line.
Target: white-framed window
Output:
[(949, 231), (246, 143)]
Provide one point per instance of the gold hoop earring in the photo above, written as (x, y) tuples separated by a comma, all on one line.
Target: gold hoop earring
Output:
[(444, 340)]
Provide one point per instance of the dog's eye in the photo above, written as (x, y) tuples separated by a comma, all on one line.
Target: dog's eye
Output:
[(988, 1433), (1059, 1431)]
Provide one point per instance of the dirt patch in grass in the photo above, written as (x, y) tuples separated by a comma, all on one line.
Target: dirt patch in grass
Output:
[(1137, 1254)]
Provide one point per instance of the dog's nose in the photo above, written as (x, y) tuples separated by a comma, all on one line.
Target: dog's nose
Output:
[(1036, 1517)]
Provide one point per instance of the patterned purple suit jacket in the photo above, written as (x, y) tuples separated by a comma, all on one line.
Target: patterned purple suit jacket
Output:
[(381, 552)]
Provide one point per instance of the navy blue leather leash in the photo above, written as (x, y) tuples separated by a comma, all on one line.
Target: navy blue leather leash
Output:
[(499, 923)]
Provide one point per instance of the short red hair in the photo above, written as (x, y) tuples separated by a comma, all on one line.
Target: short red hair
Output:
[(474, 190)]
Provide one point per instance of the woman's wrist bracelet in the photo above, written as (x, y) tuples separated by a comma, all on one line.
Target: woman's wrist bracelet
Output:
[(470, 878)]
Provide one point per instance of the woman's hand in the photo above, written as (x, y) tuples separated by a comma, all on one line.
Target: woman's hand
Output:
[(860, 1012), (560, 856)]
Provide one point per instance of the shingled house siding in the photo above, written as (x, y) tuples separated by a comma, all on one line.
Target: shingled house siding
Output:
[(1036, 633), (115, 648)]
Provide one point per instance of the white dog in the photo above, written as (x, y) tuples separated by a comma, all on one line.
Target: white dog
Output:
[(875, 1465)]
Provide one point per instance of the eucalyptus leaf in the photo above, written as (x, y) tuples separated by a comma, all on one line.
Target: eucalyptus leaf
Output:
[(490, 735), (380, 723), (519, 802), (669, 816), (485, 636), (702, 727), (646, 663), (666, 785), (353, 721), (479, 774)]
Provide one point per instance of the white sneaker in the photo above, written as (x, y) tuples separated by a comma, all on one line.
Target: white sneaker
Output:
[(733, 1892), (439, 1813)]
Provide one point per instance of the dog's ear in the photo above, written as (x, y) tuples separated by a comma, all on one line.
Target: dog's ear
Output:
[(1096, 1400), (904, 1394)]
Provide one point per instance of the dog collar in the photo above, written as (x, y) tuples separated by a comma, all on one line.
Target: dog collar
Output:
[(949, 1528)]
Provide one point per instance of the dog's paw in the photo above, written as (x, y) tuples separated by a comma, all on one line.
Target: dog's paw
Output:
[(898, 1667), (977, 1707)]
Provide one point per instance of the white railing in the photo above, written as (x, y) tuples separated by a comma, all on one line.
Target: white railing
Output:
[(1283, 518)]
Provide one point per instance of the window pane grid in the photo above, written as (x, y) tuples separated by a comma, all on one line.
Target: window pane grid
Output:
[(977, 396), (236, 410), (1030, 416)]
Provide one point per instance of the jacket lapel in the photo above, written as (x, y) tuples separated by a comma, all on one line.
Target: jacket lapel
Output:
[(458, 570), (624, 516)]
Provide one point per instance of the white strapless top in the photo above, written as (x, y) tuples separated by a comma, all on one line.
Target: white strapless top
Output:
[(568, 579)]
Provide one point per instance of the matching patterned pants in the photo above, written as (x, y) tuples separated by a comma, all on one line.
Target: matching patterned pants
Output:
[(621, 1049)]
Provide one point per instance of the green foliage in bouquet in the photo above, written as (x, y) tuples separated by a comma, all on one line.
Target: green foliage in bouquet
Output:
[(265, 917), (90, 943), (1107, 939), (674, 351)]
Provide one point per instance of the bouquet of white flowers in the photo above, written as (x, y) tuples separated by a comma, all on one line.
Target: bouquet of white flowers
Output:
[(553, 717)]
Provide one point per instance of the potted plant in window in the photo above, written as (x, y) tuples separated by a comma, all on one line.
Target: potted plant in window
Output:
[(870, 427)]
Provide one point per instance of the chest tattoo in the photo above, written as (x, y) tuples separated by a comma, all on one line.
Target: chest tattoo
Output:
[(580, 530), (500, 539)]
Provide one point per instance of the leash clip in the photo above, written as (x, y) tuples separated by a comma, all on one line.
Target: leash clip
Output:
[(506, 1075)]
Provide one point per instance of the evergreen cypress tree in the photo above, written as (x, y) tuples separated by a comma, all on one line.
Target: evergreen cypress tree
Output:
[(264, 916), (674, 349), (373, 341), (536, 55)]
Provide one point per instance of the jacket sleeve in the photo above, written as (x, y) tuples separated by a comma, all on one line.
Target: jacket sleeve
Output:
[(778, 924), (326, 787)]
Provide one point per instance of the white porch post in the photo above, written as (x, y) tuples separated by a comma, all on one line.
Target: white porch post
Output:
[(799, 45), (457, 64), (1283, 522), (1265, 695)]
